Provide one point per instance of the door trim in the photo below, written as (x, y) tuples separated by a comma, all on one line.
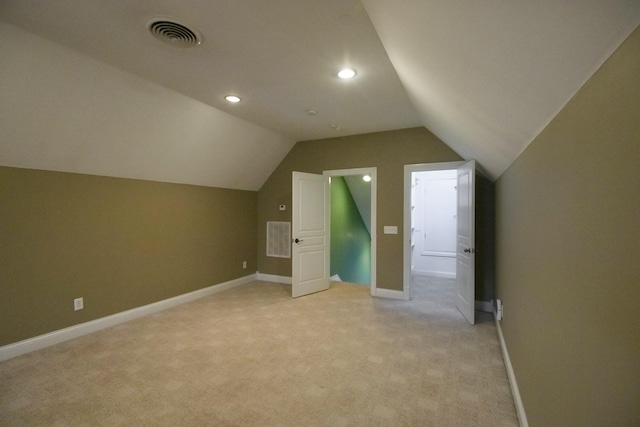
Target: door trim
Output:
[(373, 172), (408, 171)]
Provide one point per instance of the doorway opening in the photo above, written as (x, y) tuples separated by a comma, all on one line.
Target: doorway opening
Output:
[(353, 225), (430, 224), (433, 223)]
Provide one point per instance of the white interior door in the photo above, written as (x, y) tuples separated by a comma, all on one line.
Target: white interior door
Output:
[(465, 248), (310, 231)]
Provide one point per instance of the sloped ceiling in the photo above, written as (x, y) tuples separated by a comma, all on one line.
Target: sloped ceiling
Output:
[(85, 88), (486, 77)]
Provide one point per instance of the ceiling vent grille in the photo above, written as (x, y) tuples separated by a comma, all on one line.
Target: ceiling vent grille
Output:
[(174, 33)]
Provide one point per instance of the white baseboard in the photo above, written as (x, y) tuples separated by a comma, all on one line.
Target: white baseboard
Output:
[(36, 343), (517, 399), (273, 278), (390, 293)]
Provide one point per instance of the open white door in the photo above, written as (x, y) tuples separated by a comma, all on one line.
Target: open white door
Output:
[(465, 252), (310, 231)]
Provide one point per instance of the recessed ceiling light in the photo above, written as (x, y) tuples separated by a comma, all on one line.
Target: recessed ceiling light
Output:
[(232, 98), (366, 178), (347, 73)]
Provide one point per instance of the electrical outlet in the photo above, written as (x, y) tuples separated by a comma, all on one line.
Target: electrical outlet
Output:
[(78, 304), (244, 264), (499, 310)]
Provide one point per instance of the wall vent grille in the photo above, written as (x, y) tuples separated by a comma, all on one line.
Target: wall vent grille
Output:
[(279, 239)]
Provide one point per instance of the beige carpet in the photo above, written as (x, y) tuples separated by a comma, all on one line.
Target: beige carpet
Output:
[(253, 356)]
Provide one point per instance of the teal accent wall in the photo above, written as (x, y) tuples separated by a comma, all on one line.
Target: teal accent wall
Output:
[(350, 240)]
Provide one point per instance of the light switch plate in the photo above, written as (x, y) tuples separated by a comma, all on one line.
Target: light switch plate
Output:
[(390, 229)]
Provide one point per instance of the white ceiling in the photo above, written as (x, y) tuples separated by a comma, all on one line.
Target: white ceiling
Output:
[(486, 77)]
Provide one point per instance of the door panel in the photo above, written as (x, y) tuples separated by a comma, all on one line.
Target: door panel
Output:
[(311, 266), (310, 231), (465, 245)]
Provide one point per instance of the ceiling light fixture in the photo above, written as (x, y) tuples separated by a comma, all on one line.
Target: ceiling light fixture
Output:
[(232, 98), (347, 73), (366, 178)]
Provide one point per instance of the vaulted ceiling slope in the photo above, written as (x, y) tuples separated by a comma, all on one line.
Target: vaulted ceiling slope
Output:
[(63, 111), (487, 76), (84, 86)]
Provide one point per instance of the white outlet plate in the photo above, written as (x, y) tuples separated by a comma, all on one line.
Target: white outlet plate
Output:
[(244, 264), (78, 304)]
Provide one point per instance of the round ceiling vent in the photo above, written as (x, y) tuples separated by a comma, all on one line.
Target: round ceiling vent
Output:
[(174, 33)]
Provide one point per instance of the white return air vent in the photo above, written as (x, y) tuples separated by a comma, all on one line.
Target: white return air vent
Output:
[(279, 239)]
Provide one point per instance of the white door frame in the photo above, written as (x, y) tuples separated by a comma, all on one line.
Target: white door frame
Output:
[(373, 172), (408, 171)]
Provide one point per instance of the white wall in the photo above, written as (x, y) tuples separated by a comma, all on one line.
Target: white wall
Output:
[(433, 220)]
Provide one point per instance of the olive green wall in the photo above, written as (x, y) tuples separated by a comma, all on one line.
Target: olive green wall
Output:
[(350, 240), (118, 243), (568, 264), (389, 152)]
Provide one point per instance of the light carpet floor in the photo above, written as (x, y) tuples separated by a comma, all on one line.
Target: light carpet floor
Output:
[(253, 356)]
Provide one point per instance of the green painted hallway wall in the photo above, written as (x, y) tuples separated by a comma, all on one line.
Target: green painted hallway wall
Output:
[(350, 240)]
